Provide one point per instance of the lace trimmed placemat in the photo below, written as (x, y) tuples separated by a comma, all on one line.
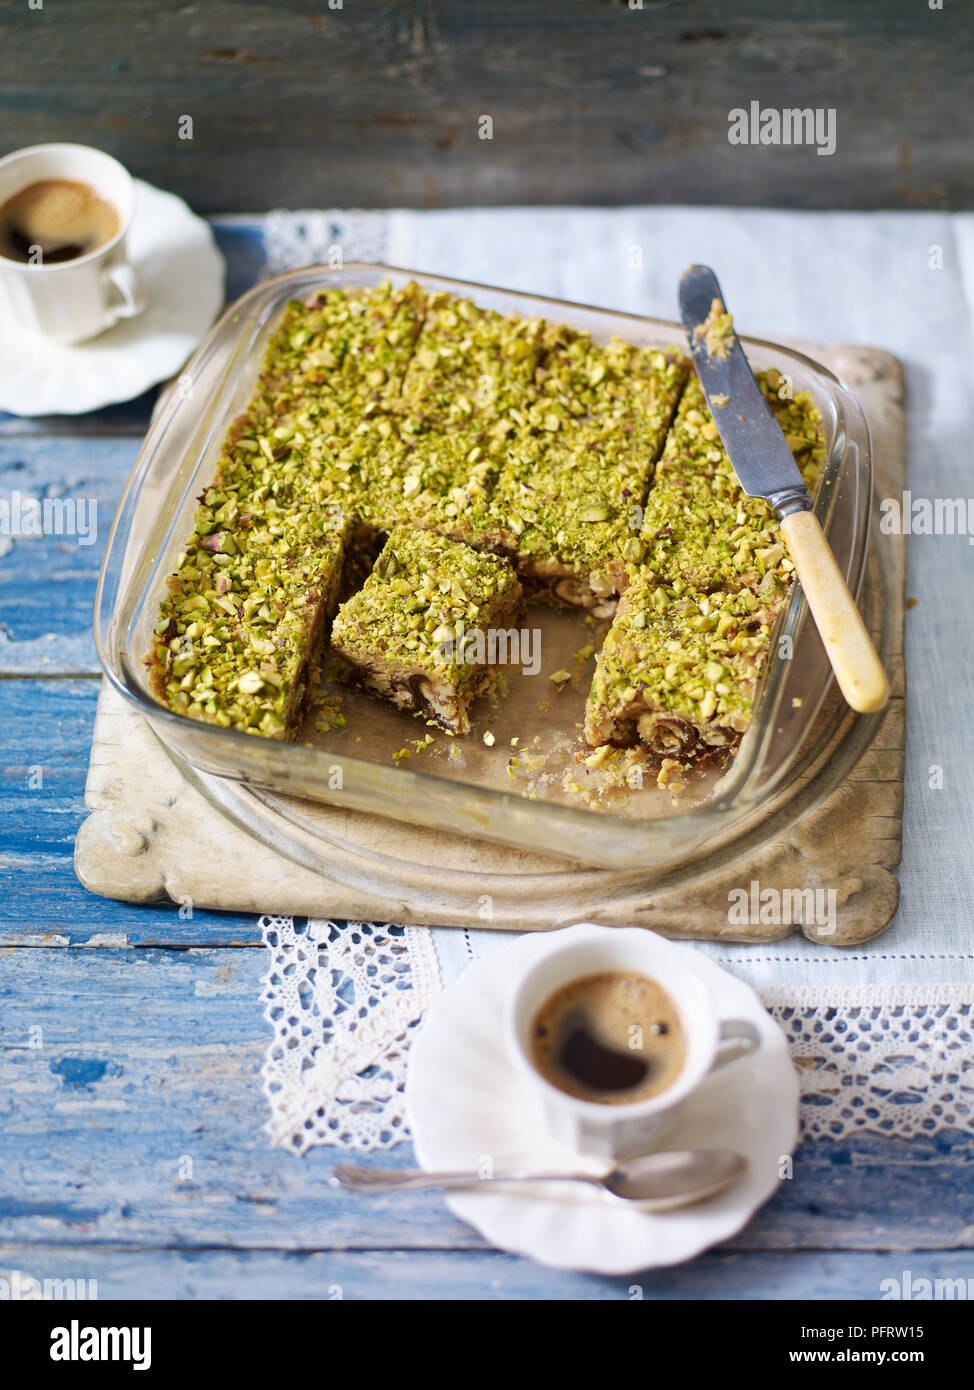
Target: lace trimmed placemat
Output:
[(344, 1001)]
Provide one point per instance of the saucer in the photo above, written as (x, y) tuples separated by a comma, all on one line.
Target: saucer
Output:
[(180, 274), (467, 1103)]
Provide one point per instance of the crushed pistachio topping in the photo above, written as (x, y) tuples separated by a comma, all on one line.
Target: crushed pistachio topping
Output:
[(699, 525), (680, 665), (344, 352), (472, 364), (580, 458)]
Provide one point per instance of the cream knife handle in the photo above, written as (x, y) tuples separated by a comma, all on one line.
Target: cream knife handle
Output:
[(857, 668)]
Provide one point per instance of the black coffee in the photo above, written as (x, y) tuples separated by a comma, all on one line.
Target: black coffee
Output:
[(615, 1037), (55, 220)]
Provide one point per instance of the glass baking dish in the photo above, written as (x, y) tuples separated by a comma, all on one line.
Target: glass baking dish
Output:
[(499, 792)]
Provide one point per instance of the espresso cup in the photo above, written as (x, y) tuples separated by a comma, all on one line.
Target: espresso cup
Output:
[(621, 1129), (70, 301)]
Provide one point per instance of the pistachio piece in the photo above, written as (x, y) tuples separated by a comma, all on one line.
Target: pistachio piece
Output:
[(593, 511)]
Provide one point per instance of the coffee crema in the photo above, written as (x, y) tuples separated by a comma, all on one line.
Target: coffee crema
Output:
[(55, 220), (613, 1037)]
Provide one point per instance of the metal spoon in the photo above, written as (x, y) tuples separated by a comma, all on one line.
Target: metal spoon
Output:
[(658, 1182)]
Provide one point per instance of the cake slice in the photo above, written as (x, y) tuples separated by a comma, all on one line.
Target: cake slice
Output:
[(471, 365), (243, 622), (678, 670), (429, 625), (699, 526), (568, 502), (343, 355)]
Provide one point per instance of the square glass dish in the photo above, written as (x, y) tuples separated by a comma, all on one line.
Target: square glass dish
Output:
[(522, 786)]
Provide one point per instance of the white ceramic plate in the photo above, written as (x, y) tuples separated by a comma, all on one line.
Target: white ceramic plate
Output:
[(467, 1103), (180, 273)]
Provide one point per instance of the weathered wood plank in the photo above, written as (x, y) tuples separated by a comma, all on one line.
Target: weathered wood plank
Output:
[(47, 582), (481, 1275), (46, 740), (134, 1117), (591, 100)]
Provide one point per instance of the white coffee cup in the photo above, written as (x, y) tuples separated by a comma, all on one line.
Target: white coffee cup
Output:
[(70, 301), (621, 1129)]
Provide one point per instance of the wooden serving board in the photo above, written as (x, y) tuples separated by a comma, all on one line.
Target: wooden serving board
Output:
[(161, 830)]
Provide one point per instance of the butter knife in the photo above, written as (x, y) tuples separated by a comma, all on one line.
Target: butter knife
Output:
[(765, 467)]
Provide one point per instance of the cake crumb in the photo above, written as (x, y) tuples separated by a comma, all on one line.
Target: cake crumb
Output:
[(716, 332)]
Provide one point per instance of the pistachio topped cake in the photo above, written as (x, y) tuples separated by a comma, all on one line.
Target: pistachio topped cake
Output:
[(487, 454), (418, 632)]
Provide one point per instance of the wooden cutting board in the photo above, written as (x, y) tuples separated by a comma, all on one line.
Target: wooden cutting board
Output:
[(158, 830)]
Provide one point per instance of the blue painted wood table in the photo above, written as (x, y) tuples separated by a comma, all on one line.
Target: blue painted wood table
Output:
[(132, 1148)]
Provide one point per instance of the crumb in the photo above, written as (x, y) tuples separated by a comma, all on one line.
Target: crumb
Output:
[(601, 756), (797, 702), (667, 767), (489, 739), (330, 716), (716, 332), (403, 753), (560, 678), (912, 602)]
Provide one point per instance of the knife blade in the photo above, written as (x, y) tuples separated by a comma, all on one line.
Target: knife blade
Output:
[(755, 445), (765, 467)]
